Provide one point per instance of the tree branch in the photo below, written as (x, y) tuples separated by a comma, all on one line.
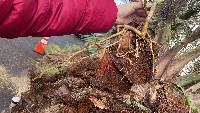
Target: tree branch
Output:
[(179, 63), (196, 98), (161, 32), (169, 55), (194, 88), (188, 80)]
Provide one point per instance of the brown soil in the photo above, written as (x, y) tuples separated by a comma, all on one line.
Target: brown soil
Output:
[(120, 80)]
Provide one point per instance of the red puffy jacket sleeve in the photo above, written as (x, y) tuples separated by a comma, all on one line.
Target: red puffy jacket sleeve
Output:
[(55, 17)]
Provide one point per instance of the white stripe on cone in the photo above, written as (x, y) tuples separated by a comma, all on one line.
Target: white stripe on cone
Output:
[(44, 41)]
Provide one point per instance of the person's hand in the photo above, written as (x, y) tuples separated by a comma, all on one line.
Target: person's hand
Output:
[(128, 13)]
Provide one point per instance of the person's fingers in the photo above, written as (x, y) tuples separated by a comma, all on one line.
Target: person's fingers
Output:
[(127, 9), (133, 11)]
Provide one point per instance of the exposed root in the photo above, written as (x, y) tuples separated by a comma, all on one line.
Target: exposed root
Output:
[(119, 80)]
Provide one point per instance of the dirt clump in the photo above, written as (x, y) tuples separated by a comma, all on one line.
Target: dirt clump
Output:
[(119, 80)]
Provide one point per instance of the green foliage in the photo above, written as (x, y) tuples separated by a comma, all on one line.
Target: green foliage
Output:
[(54, 68), (197, 91), (92, 51), (195, 68), (52, 49), (145, 4), (49, 69), (189, 80), (72, 48), (193, 76), (189, 99), (88, 39), (189, 14), (142, 107), (193, 108), (175, 26), (92, 39)]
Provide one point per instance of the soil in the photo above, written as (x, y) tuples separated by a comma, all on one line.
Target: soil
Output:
[(119, 80), (15, 60)]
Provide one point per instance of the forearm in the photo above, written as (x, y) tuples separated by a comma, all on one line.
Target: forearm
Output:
[(57, 17)]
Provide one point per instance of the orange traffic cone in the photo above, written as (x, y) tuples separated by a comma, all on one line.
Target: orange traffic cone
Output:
[(40, 47)]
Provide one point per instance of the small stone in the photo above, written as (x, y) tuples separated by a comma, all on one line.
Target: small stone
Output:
[(16, 99)]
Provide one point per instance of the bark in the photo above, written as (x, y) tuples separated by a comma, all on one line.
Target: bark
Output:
[(161, 32), (188, 80), (194, 88), (169, 55), (196, 99), (179, 63)]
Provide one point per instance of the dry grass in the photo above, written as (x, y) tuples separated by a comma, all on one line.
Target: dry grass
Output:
[(5, 80), (10, 86)]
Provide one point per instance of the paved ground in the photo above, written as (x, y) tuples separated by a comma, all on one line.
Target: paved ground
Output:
[(15, 54)]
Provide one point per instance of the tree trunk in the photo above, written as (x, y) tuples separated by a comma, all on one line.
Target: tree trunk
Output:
[(179, 63), (164, 60)]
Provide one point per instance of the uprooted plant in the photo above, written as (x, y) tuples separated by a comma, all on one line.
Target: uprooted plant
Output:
[(121, 78)]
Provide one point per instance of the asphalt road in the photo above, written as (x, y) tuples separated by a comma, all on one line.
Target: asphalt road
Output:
[(15, 54)]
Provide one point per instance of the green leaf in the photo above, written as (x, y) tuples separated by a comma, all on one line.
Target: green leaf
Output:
[(72, 48), (189, 14), (145, 4), (52, 49), (191, 104), (189, 80)]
